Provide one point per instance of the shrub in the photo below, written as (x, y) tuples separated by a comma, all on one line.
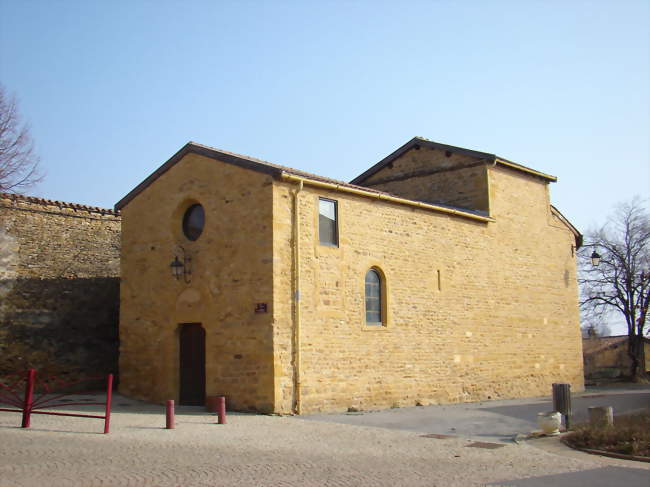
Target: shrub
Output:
[(629, 435)]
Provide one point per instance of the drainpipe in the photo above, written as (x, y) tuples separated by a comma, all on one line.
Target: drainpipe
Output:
[(296, 301)]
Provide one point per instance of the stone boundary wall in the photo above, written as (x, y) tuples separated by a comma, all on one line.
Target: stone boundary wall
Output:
[(59, 287)]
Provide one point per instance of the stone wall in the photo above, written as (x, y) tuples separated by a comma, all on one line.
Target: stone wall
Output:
[(474, 311), (436, 176), (59, 287), (232, 268), (607, 357)]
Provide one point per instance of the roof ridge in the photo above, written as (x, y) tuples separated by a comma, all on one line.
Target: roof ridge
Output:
[(297, 172), (248, 162), (61, 204), (324, 179), (417, 140)]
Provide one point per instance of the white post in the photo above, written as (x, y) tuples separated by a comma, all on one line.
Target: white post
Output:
[(601, 416)]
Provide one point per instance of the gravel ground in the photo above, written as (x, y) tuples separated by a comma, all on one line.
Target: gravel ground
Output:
[(256, 450)]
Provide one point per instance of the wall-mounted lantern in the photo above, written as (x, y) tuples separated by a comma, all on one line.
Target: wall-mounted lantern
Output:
[(595, 259), (182, 267)]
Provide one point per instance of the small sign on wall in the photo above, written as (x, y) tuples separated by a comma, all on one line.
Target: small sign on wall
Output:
[(261, 308)]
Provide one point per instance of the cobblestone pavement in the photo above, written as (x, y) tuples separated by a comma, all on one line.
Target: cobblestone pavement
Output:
[(256, 450)]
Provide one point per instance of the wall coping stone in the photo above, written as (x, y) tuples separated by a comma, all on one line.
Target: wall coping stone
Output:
[(18, 198)]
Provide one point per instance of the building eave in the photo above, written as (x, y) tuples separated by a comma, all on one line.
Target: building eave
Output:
[(359, 191), (570, 226)]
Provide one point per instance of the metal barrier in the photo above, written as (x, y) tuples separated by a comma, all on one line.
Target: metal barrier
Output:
[(47, 398)]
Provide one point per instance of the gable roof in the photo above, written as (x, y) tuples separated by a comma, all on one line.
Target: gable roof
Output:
[(287, 173), (421, 141), (240, 160)]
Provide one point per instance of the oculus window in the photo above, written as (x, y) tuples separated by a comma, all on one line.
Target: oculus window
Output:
[(374, 303), (327, 222), (193, 222)]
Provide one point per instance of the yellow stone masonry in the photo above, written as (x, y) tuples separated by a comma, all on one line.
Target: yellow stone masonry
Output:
[(436, 176), (232, 270), (475, 310)]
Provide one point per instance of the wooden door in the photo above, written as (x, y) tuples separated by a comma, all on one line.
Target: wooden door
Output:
[(192, 364)]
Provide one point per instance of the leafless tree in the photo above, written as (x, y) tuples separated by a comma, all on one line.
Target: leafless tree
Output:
[(594, 324), (620, 282), (19, 167)]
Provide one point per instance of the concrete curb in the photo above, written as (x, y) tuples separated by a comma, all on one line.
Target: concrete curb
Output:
[(608, 453), (555, 446)]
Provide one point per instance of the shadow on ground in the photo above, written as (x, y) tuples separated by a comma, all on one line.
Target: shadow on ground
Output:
[(494, 420), (622, 403), (598, 477)]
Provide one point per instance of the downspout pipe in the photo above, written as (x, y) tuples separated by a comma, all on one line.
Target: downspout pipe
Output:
[(297, 407)]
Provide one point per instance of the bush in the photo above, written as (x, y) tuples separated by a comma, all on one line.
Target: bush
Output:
[(630, 435)]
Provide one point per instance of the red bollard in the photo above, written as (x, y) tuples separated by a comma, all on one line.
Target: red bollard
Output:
[(221, 409), (109, 398), (170, 424), (29, 398)]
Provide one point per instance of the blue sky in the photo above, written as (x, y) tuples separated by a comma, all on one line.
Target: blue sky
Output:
[(113, 89)]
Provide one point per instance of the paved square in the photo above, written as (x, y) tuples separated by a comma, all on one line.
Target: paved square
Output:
[(255, 450)]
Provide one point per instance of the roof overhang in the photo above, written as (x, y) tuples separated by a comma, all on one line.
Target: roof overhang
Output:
[(574, 230), (360, 191)]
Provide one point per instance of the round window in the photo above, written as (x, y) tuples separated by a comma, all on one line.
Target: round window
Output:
[(193, 222)]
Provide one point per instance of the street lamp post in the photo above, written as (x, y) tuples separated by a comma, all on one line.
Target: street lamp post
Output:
[(595, 258)]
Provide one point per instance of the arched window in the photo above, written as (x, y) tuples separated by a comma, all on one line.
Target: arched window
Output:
[(373, 298)]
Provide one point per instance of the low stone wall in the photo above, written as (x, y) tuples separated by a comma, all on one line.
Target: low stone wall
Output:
[(59, 326), (59, 288)]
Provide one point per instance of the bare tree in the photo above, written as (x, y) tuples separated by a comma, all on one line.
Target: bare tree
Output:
[(594, 324), (18, 161), (615, 273)]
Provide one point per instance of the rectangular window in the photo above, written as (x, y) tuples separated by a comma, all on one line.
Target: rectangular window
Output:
[(327, 222)]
